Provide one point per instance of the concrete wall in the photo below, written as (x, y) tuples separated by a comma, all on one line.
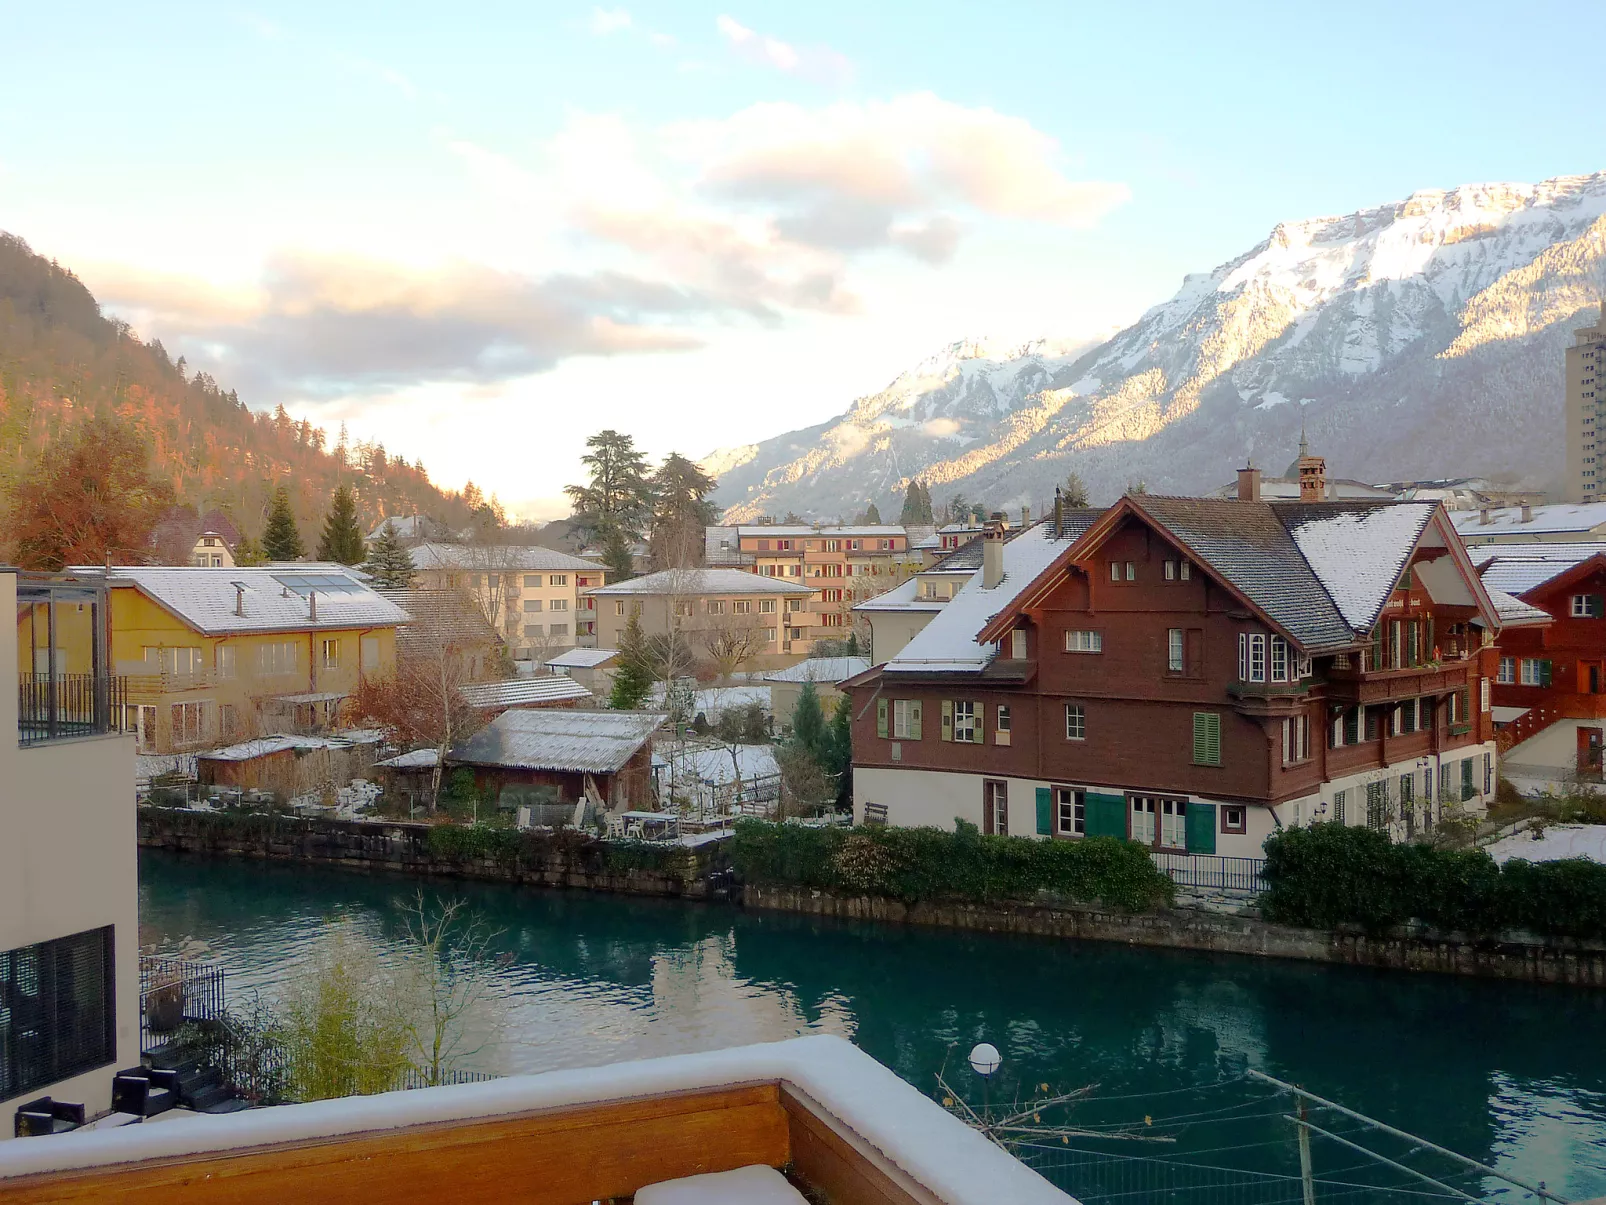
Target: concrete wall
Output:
[(68, 862), (1512, 956)]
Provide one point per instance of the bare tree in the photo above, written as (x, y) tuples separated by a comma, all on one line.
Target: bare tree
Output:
[(449, 948), (733, 638)]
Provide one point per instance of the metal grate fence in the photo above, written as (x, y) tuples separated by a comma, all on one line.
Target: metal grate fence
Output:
[(1212, 871)]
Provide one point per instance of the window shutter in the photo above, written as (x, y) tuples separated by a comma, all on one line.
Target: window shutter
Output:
[(881, 718), (1544, 672), (1105, 815), (1243, 657), (947, 719), (1200, 743), (1214, 725), (1201, 827), (1045, 811), (1206, 738), (914, 719), (1596, 607), (981, 713), (1428, 647)]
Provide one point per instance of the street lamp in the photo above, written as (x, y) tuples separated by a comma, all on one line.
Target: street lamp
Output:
[(984, 1060)]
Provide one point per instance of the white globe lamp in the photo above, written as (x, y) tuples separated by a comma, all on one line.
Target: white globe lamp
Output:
[(985, 1059)]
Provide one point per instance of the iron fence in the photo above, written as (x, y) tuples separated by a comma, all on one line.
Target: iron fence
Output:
[(173, 991), (1212, 871), (55, 707)]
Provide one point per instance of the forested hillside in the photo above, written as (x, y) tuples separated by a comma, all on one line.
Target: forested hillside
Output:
[(62, 361)]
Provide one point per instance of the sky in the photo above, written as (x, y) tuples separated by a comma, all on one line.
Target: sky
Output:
[(480, 232)]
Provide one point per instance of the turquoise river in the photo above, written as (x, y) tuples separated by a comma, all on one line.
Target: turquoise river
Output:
[(1511, 1075)]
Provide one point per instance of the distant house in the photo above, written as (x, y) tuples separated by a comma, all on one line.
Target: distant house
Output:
[(563, 757), (411, 529), (1559, 523), (714, 609), (786, 685), (591, 668), (534, 597), (446, 622), (206, 541), (217, 655), (290, 765)]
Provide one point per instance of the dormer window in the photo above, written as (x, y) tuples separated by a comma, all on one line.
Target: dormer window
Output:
[(1017, 644)]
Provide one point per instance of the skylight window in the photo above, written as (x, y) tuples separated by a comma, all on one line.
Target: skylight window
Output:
[(324, 583)]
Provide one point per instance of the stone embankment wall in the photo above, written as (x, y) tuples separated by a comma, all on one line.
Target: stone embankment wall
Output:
[(1515, 956), (564, 859)]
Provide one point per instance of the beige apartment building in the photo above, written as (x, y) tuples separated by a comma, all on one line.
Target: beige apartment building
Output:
[(840, 565), (69, 883), (534, 597), (1586, 412), (731, 619)]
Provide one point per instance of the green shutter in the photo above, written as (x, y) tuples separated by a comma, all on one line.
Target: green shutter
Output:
[(914, 720), (1206, 738), (947, 719), (1544, 672), (981, 722), (1429, 649), (881, 718), (1105, 815), (1596, 607), (1045, 811), (1201, 824)]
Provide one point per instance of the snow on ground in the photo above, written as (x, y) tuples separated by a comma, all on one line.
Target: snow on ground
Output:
[(1559, 841)]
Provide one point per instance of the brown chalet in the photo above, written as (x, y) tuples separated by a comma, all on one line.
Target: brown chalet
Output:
[(1189, 673)]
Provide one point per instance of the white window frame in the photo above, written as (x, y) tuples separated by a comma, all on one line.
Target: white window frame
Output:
[(1083, 641), (1176, 650), (1280, 660), (906, 719), (1001, 724), (766, 606), (1251, 657), (331, 645), (1075, 722), (1070, 812), (557, 579), (227, 658), (1506, 673), (965, 722)]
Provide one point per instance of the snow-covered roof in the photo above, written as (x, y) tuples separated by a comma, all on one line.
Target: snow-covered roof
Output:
[(703, 581), (883, 531), (1514, 612), (948, 643), (1357, 552), (821, 669), (1506, 521), (274, 598), (523, 692), (905, 596), (262, 746), (498, 558), (937, 1150), (1518, 568), (583, 658), (592, 742), (418, 759)]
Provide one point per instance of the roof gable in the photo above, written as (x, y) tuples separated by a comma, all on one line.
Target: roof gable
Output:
[(1356, 550)]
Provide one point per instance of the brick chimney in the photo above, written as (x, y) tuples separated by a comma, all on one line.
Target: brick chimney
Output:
[(1059, 515), (1249, 483), (992, 554)]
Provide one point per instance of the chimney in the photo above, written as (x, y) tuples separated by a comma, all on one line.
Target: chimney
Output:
[(1025, 515), (992, 555), (1483, 516), (312, 603), (1249, 483), (1059, 515), (1312, 471), (1527, 512), (239, 599)]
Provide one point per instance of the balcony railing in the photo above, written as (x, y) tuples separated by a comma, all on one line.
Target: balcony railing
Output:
[(65, 706)]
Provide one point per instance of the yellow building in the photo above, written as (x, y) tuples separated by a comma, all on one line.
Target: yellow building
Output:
[(730, 619), (210, 656)]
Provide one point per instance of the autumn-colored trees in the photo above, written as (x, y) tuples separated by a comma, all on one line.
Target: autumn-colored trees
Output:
[(88, 499)]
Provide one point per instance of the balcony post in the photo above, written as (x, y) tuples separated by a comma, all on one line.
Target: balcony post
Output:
[(50, 664)]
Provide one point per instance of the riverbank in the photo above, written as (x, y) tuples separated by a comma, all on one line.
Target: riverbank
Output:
[(1520, 957), (538, 859), (579, 862)]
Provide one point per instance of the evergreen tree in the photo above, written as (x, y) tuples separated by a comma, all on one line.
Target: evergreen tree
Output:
[(927, 515), (1075, 491), (839, 763), (618, 494), (632, 680), (808, 724), (911, 505), (872, 515), (342, 539), (281, 540), (248, 552), (617, 556), (389, 562), (681, 512)]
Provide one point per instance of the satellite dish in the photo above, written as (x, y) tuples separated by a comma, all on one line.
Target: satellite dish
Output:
[(985, 1059)]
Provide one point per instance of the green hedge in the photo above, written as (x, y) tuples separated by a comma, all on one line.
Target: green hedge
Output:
[(475, 841), (1329, 874), (914, 864)]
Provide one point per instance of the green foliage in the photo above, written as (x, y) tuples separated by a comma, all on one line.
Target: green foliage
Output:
[(681, 512), (475, 843), (1329, 874), (916, 505), (342, 539), (281, 539), (808, 721), (838, 760), (913, 864), (1074, 492), (618, 557), (249, 552), (618, 497), (871, 516), (633, 677), (389, 562), (745, 725)]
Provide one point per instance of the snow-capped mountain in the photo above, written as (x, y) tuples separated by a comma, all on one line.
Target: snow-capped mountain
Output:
[(1418, 339)]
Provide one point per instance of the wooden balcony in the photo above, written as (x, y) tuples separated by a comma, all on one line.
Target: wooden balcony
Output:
[(1357, 685), (844, 1128)]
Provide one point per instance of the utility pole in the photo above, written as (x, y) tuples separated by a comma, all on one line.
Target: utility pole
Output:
[(1307, 1180)]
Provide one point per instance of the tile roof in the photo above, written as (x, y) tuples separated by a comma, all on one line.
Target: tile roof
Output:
[(702, 581), (820, 669), (262, 746), (1514, 612), (494, 558), (903, 597), (418, 759), (1356, 549), (438, 616), (1518, 568), (275, 597), (590, 742), (523, 692)]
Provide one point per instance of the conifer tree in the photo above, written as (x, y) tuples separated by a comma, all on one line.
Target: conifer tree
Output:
[(808, 723), (632, 680), (248, 552), (390, 564), (342, 539), (617, 556), (281, 539), (872, 515), (1075, 492)]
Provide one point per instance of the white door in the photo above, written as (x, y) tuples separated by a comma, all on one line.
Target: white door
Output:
[(1173, 825), (1143, 820)]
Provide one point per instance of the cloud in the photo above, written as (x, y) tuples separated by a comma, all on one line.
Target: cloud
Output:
[(819, 63), (327, 325), (605, 21)]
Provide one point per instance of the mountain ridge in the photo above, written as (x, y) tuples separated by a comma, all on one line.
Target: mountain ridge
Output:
[(1417, 338)]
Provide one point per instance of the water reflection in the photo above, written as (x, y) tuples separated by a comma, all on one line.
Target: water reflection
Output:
[(1503, 1072)]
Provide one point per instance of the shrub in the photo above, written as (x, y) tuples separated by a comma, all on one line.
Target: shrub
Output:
[(1329, 875), (475, 842), (913, 864)]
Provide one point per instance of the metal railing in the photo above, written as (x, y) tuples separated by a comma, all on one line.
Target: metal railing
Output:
[(1212, 871), (173, 991), (62, 706)]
